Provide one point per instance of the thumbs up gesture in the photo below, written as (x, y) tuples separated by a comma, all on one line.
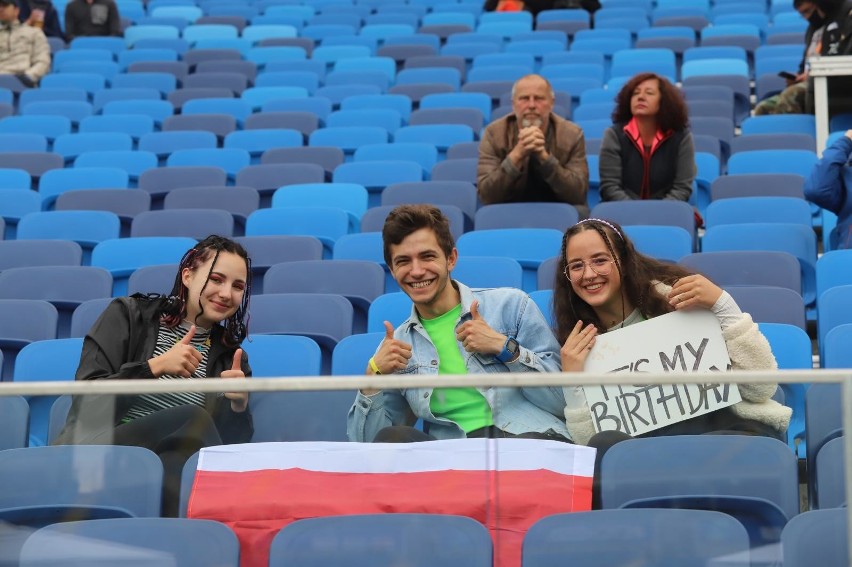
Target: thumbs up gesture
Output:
[(393, 354), (476, 335), (180, 360), (239, 400)]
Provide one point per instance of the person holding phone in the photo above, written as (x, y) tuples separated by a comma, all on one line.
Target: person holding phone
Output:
[(792, 100)]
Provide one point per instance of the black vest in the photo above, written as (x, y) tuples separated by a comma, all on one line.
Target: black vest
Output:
[(662, 166)]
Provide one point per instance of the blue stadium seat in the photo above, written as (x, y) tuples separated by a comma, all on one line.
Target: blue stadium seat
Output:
[(283, 355), (351, 354), (131, 483), (325, 318), (670, 243), (266, 251), (327, 224), (823, 422), (463, 541), (194, 223), (376, 175), (24, 321), (14, 421), (121, 256), (558, 216), (351, 197), (54, 360), (529, 246), (190, 542), (618, 537), (817, 537), (753, 479), (57, 181), (830, 475)]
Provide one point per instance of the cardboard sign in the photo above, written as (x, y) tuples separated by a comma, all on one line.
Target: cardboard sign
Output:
[(677, 342)]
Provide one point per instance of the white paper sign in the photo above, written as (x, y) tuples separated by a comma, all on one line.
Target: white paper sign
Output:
[(677, 342)]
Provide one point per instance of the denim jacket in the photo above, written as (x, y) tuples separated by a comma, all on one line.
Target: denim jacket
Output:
[(515, 410)]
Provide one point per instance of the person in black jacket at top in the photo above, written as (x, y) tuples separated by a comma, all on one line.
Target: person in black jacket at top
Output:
[(194, 333)]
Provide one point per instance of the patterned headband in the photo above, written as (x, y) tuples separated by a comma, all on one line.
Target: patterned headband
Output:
[(615, 230)]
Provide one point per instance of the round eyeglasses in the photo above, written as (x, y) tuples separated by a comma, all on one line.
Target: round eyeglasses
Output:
[(601, 266)]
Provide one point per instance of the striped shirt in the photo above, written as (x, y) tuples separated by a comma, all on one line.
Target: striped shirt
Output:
[(147, 404)]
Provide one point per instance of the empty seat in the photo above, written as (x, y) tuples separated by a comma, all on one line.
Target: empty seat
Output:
[(181, 540)]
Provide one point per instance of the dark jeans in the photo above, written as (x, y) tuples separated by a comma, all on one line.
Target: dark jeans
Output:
[(174, 434), (407, 434)]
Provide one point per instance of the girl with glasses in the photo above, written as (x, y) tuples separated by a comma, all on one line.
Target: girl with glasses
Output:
[(603, 284)]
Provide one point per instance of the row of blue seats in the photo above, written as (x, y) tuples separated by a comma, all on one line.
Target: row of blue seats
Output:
[(659, 535), (756, 481), (766, 284)]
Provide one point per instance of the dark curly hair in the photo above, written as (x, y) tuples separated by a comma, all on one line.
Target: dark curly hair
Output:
[(672, 114), (235, 326), (638, 276)]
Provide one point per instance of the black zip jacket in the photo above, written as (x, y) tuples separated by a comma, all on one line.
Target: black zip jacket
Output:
[(118, 346)]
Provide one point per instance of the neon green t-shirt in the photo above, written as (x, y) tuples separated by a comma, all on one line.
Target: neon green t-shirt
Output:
[(465, 406)]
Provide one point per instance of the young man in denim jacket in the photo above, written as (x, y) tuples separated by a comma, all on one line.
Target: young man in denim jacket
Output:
[(455, 330)]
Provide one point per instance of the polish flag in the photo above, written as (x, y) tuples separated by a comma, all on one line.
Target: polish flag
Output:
[(505, 484)]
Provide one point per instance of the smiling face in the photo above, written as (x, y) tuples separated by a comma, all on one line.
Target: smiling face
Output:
[(422, 271), (221, 296), (645, 100), (602, 293)]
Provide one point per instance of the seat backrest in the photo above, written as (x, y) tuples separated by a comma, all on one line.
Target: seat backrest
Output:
[(307, 314), (668, 467), (420, 540), (16, 253), (644, 536), (795, 239), (86, 314), (351, 354), (177, 541), (121, 256), (651, 212), (462, 194), (823, 422), (300, 416), (558, 216), (283, 355), (14, 421), (131, 478), (356, 279), (747, 267), (758, 185), (489, 271), (158, 278), (818, 537), (758, 209), (669, 243), (769, 304), (394, 307), (192, 223), (833, 268), (65, 286), (830, 475)]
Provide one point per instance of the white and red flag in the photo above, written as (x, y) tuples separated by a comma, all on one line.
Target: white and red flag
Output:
[(505, 484)]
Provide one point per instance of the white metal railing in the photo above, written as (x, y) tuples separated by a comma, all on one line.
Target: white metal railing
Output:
[(844, 377)]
